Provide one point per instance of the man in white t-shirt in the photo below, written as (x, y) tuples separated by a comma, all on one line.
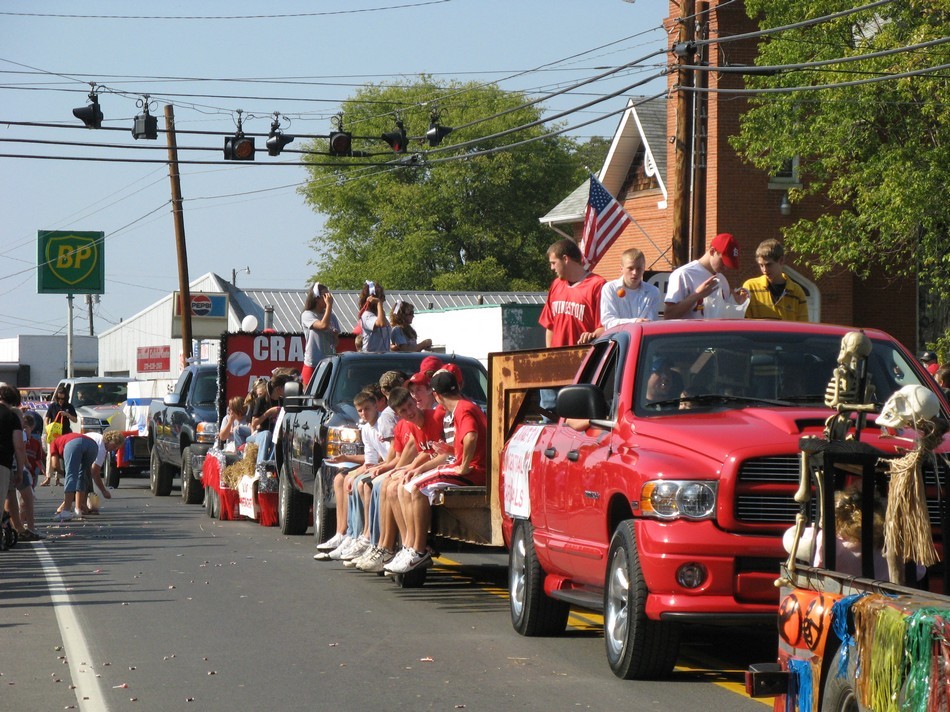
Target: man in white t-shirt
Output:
[(628, 299), (692, 283)]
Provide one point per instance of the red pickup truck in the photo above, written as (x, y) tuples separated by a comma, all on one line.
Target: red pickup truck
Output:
[(660, 491)]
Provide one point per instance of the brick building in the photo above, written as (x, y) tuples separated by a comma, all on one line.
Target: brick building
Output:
[(733, 196)]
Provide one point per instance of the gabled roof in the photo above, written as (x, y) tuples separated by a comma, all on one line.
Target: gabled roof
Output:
[(642, 124)]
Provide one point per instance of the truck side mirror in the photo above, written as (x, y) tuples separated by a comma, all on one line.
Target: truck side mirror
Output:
[(583, 401)]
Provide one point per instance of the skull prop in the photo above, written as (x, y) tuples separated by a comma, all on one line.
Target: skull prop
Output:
[(855, 345), (908, 407)]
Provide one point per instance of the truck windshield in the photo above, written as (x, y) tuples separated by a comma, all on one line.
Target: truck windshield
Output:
[(98, 394), (740, 370), (206, 388)]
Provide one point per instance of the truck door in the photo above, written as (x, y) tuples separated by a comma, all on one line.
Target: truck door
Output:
[(168, 433), (574, 477)]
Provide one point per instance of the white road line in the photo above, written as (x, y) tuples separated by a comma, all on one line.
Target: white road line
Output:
[(88, 688)]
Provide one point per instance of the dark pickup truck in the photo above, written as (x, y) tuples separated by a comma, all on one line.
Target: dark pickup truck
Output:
[(322, 421), (182, 428)]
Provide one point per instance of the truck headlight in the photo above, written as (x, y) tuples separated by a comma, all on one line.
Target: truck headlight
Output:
[(670, 499), (343, 441), (206, 432)]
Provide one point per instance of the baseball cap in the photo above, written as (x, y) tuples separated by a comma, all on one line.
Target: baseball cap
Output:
[(725, 245), (430, 364), (455, 371), (444, 383), (420, 378), (660, 363), (928, 357), (391, 379)]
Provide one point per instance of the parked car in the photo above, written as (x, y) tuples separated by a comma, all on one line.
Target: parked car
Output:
[(96, 399), (322, 421)]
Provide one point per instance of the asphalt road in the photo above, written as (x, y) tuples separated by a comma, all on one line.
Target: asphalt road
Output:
[(153, 606)]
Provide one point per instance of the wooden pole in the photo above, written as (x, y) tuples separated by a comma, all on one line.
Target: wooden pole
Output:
[(183, 281), (683, 139)]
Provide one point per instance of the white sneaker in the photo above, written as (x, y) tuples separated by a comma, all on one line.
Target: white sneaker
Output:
[(64, 516), (400, 562), (376, 560), (355, 551), (332, 543), (338, 552)]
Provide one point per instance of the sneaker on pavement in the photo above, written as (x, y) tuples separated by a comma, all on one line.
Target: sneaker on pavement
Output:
[(332, 543), (400, 563), (374, 563), (356, 549), (64, 516), (322, 556), (338, 552), (419, 561), (27, 535)]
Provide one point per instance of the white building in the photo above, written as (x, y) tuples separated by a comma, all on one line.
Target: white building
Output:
[(40, 360)]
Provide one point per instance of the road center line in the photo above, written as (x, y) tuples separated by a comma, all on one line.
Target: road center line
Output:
[(81, 670)]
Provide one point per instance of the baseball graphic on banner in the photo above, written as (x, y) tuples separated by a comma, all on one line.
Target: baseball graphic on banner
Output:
[(239, 364)]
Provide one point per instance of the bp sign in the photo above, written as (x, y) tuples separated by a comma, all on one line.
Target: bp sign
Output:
[(70, 262)]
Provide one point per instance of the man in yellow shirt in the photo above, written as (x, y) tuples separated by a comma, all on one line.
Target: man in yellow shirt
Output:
[(774, 295)]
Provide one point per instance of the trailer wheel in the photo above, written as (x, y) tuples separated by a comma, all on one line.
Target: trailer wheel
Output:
[(293, 510), (839, 695), (637, 648), (533, 613), (112, 473), (191, 488), (411, 579), (160, 475), (324, 517)]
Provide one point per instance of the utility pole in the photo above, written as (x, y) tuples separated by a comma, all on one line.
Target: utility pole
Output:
[(69, 336), (684, 50), (184, 289), (700, 137), (92, 331)]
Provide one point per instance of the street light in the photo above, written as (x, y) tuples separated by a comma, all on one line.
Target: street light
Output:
[(234, 273)]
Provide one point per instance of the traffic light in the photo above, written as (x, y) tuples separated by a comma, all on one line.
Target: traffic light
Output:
[(436, 133), (396, 139), (238, 148), (90, 115), (276, 142), (341, 143), (145, 126)]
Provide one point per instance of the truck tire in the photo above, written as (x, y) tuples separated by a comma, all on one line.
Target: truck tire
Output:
[(192, 491), (112, 473), (293, 509), (839, 695), (324, 517), (533, 613), (160, 475), (637, 648)]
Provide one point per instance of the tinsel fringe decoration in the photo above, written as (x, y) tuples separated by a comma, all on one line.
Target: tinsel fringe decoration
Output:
[(803, 689), (923, 663), (940, 670), (883, 683), (843, 627), (907, 531), (864, 614), (232, 474)]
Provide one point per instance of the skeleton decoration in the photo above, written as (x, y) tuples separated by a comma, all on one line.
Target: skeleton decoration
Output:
[(907, 535), (848, 391)]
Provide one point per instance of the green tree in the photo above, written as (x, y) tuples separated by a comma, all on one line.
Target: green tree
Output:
[(470, 223), (879, 153)]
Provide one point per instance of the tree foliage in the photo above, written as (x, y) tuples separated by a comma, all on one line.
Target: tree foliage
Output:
[(878, 153), (464, 224)]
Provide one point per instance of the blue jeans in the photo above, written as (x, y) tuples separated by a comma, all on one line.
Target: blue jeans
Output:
[(354, 514), (79, 456), (262, 438)]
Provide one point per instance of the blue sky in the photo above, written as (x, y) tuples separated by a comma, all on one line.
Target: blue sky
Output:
[(238, 215)]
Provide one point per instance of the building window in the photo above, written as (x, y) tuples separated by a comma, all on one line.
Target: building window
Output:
[(786, 177)]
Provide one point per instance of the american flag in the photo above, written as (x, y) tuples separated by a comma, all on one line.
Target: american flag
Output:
[(604, 220)]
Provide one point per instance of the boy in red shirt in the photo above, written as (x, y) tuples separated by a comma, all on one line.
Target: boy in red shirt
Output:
[(461, 465)]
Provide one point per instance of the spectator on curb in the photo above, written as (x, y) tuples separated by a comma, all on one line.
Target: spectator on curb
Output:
[(929, 359), (628, 299), (692, 283), (60, 404), (80, 456), (13, 467), (774, 295)]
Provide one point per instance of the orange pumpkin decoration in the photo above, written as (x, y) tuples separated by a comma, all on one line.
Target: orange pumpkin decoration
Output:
[(790, 616), (817, 621)]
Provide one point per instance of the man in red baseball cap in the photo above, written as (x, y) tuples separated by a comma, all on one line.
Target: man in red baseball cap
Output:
[(692, 283)]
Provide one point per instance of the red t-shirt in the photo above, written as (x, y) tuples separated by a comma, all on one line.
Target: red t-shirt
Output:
[(572, 309), (469, 418), (56, 447), (429, 433), (402, 434)]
